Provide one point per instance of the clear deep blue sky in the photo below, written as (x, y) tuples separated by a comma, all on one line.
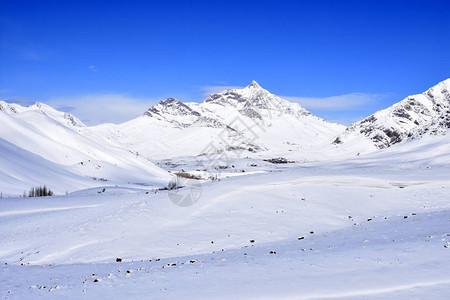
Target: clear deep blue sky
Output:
[(150, 50)]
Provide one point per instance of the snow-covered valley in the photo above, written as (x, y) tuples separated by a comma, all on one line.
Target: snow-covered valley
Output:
[(277, 208), (303, 232)]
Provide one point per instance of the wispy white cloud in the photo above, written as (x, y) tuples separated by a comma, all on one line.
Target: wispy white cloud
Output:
[(213, 89), (93, 68), (338, 103), (102, 108), (346, 119)]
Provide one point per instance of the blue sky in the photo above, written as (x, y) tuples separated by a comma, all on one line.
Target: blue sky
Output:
[(342, 60)]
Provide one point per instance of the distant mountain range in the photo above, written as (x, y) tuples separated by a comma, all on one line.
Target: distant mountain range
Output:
[(238, 122)]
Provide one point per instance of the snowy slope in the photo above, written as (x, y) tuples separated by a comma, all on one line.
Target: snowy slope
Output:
[(306, 232), (411, 118), (237, 121), (271, 206), (393, 258), (60, 142), (20, 170), (429, 150)]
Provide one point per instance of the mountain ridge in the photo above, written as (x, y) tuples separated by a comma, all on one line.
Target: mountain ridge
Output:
[(249, 116), (60, 116), (248, 122), (415, 115)]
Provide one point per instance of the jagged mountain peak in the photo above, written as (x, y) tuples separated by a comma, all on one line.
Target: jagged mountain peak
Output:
[(253, 94), (252, 104), (252, 99), (170, 106), (170, 101), (253, 85)]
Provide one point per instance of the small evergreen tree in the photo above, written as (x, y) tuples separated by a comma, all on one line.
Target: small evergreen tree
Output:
[(40, 192)]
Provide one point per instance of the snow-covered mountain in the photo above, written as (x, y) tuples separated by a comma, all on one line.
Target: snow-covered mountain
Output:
[(379, 219), (237, 122), (417, 115), (58, 142), (276, 124), (62, 117), (247, 120)]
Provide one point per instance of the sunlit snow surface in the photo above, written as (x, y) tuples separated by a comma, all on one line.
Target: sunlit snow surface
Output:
[(333, 222), (374, 227)]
